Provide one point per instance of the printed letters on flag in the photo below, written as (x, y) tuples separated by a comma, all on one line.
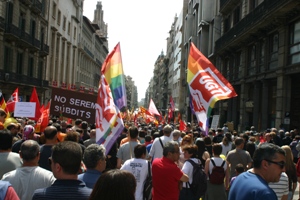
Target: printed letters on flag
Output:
[(206, 85), (109, 124), (112, 69), (10, 104)]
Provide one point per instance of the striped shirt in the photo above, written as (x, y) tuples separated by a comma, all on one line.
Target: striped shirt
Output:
[(63, 189), (281, 187)]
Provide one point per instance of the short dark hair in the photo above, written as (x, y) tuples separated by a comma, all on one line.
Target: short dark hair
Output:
[(139, 150), (191, 149), (133, 132), (266, 151), (123, 182), (92, 154), (6, 139), (78, 122), (169, 147), (217, 149), (50, 132), (84, 125), (29, 150), (148, 138), (68, 155), (57, 126), (72, 136), (239, 168), (207, 140), (238, 141)]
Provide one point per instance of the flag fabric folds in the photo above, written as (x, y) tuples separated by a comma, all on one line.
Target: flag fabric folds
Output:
[(172, 104), (2, 102), (206, 85), (10, 104), (43, 120), (109, 124), (35, 99), (152, 108), (112, 69)]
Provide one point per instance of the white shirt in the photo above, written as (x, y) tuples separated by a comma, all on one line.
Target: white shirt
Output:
[(139, 168), (282, 186), (25, 180), (156, 150), (218, 162), (226, 149), (188, 170)]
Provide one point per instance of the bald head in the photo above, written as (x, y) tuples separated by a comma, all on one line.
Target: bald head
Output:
[(30, 149), (50, 132)]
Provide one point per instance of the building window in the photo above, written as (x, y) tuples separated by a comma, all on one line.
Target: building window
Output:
[(58, 17), (54, 10), (22, 21), (69, 27), (64, 23), (273, 51), (252, 60), (252, 5), (30, 66), (19, 63), (32, 28), (261, 54), (294, 54), (237, 66), (7, 59), (237, 15)]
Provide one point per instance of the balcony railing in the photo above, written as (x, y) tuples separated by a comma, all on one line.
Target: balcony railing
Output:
[(2, 23), (251, 19), (22, 79), (37, 6)]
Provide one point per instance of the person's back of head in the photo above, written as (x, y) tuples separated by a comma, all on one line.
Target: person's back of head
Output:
[(68, 155), (84, 125), (217, 149), (148, 138), (133, 132), (5, 139), (207, 140), (167, 130), (57, 126), (238, 141), (78, 122), (72, 136), (50, 132), (93, 133), (29, 150), (92, 155), (266, 151), (139, 151), (239, 168), (122, 182)]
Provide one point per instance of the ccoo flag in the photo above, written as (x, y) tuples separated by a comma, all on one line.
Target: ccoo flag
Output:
[(206, 85), (109, 124), (112, 69)]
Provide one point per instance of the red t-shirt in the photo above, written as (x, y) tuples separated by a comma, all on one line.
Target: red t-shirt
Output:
[(165, 179)]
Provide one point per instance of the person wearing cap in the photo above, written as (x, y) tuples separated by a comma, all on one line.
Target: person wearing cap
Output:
[(26, 179), (156, 150), (28, 134)]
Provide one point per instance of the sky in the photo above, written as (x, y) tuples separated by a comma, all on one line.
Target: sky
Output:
[(142, 28)]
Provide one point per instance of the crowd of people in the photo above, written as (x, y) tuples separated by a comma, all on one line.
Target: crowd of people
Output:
[(65, 162)]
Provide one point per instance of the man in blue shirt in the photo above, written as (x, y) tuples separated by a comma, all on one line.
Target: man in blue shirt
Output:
[(268, 163), (65, 164), (94, 160)]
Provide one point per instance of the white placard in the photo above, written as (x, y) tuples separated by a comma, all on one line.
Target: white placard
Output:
[(215, 122), (24, 109)]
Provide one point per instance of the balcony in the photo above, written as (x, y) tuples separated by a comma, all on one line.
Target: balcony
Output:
[(12, 32), (37, 7), (10, 77), (26, 2), (227, 5), (2, 23), (254, 18), (44, 51), (28, 41)]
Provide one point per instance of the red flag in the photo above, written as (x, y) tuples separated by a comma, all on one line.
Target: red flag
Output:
[(10, 104), (35, 99), (182, 125), (69, 121), (172, 104), (43, 121), (152, 108), (170, 116)]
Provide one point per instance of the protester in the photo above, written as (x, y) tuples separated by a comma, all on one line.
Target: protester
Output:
[(239, 168), (9, 160), (226, 143), (65, 164), (60, 135), (238, 155), (28, 134), (94, 160), (138, 166), (7, 192), (166, 175), (50, 135), (281, 188), (202, 153), (268, 164), (156, 150), (114, 185), (30, 176), (212, 187), (92, 139)]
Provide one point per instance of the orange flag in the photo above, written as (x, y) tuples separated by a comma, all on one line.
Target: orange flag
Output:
[(43, 121)]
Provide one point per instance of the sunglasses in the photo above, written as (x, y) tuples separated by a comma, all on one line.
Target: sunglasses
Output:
[(281, 164)]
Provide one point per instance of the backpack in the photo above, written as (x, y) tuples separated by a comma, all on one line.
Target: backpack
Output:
[(199, 184), (218, 174), (147, 191)]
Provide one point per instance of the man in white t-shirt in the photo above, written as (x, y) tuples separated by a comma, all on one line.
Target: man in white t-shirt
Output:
[(26, 179), (138, 166), (156, 150)]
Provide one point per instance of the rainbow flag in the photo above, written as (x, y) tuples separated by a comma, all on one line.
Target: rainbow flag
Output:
[(206, 85), (112, 69)]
